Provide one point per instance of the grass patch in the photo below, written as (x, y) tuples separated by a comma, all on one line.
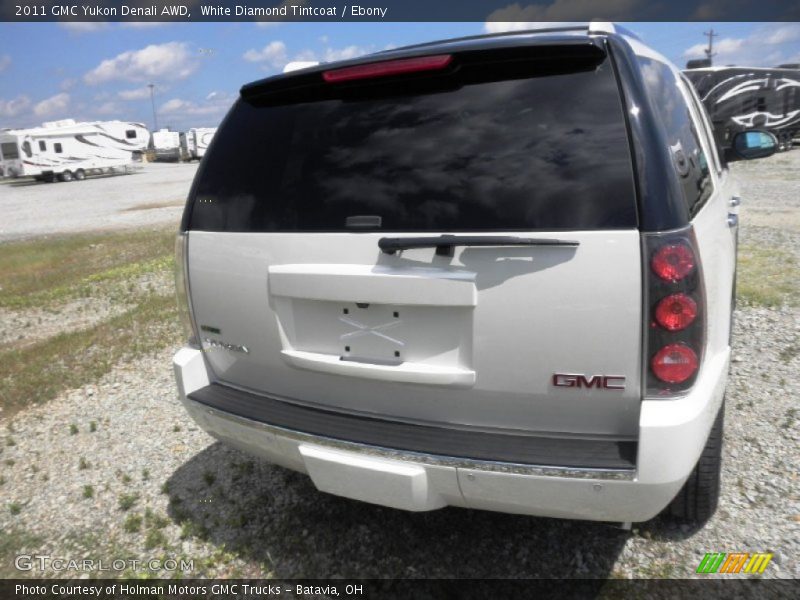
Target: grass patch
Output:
[(51, 269), (155, 539), (126, 501), (133, 523), (767, 277), (88, 491), (152, 205), (39, 372), (14, 508)]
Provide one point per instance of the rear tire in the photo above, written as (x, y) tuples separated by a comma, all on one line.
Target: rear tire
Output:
[(65, 176), (80, 175), (697, 501)]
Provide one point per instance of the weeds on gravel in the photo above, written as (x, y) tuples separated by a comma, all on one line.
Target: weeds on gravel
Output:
[(133, 523), (88, 491), (37, 373), (14, 508), (126, 501), (2, 480), (92, 426), (73, 429), (83, 464), (155, 539), (14, 542), (154, 520), (788, 353), (10, 441)]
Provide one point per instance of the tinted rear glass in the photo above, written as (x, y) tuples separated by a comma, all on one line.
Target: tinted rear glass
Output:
[(536, 152)]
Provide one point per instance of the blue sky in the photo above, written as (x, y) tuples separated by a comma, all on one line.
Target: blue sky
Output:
[(100, 71)]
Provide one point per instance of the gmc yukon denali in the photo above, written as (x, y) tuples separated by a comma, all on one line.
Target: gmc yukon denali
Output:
[(493, 272)]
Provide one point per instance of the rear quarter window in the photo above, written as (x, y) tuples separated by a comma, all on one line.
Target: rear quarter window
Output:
[(690, 162), (536, 152)]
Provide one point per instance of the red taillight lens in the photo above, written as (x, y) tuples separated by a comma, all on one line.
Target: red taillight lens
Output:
[(673, 262), (389, 67), (676, 312), (674, 363)]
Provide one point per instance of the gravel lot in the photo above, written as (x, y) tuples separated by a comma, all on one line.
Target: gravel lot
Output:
[(197, 499), (153, 195)]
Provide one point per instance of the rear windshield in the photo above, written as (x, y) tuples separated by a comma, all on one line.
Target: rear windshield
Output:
[(537, 152), (9, 150)]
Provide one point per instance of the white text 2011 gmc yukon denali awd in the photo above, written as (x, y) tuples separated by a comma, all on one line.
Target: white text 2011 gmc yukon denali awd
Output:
[(494, 272)]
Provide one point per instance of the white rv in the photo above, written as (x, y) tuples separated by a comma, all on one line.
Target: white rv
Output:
[(67, 150), (167, 144), (194, 142)]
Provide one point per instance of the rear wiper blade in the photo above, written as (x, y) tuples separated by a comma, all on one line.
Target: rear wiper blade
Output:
[(444, 244)]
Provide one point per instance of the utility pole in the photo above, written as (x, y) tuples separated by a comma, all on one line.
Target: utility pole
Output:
[(710, 50), (153, 103)]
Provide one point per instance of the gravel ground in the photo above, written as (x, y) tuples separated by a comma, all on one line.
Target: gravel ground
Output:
[(154, 195), (21, 328), (200, 500)]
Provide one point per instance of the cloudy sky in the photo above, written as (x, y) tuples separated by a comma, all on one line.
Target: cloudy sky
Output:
[(95, 71)]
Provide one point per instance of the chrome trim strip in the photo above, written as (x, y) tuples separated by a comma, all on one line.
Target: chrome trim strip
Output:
[(201, 410)]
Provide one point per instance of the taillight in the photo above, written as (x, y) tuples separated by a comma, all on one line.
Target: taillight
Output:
[(389, 67), (676, 312), (674, 363), (673, 262), (675, 306)]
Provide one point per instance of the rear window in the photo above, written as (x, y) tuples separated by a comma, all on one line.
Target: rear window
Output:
[(534, 152)]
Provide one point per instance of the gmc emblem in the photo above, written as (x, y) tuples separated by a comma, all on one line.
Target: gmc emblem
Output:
[(600, 382)]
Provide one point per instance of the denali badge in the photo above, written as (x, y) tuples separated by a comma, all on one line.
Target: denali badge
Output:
[(601, 382), (220, 344)]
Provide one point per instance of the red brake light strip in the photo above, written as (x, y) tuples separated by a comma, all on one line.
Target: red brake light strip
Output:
[(389, 67)]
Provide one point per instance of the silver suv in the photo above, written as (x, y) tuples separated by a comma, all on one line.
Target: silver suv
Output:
[(494, 272)]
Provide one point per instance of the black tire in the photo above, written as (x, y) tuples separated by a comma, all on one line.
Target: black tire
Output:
[(80, 175), (697, 501), (65, 176)]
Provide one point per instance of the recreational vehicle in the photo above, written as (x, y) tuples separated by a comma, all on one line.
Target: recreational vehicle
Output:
[(167, 145), (195, 142), (67, 150), (741, 98)]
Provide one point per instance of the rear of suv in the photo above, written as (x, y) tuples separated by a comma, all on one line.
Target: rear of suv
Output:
[(493, 272)]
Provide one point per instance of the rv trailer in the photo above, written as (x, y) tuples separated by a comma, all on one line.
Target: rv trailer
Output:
[(67, 150), (166, 145), (741, 98), (194, 142)]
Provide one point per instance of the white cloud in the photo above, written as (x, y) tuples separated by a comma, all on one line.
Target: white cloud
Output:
[(83, 26), (108, 108), (168, 61), (273, 54), (11, 108), (52, 106), (515, 17), (67, 84), (5, 62), (135, 94), (215, 104), (763, 47)]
